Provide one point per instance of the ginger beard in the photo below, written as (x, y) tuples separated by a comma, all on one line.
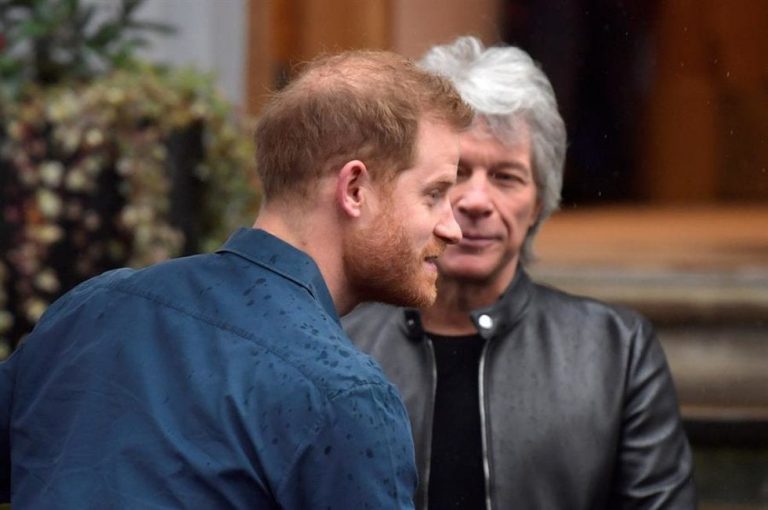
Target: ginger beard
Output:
[(383, 265)]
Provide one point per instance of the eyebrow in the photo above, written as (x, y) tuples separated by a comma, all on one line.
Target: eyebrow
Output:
[(511, 164), (502, 165), (446, 180), (441, 182)]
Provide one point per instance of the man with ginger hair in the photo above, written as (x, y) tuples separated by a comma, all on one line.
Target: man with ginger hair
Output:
[(225, 380)]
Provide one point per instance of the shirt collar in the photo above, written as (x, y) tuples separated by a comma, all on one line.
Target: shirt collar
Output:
[(274, 254)]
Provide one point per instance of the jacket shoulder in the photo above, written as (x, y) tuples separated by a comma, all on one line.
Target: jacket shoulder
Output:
[(588, 321), (371, 321), (550, 300)]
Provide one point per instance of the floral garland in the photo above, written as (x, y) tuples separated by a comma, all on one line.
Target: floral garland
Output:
[(87, 175)]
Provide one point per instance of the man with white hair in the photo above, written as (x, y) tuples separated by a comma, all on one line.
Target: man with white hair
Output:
[(520, 395)]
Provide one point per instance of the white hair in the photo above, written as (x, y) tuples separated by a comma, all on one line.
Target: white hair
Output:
[(504, 86)]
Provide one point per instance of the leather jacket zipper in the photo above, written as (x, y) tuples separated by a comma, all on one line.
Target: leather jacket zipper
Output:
[(484, 428), (428, 442)]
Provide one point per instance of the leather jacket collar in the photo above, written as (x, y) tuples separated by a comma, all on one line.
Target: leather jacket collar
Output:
[(491, 321)]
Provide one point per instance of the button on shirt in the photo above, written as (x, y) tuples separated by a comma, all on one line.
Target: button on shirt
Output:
[(214, 381)]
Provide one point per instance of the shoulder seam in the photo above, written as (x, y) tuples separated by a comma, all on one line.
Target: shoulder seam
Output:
[(246, 335)]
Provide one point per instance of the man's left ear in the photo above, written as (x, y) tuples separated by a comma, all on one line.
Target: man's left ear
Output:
[(352, 182)]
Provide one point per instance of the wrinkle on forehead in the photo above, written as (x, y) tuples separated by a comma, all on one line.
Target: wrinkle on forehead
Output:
[(482, 147), (509, 131)]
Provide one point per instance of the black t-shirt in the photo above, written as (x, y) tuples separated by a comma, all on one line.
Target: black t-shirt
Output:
[(456, 478)]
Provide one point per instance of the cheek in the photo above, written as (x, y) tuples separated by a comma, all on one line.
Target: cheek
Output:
[(522, 218), (419, 225), (411, 232), (530, 216), (530, 211), (421, 235)]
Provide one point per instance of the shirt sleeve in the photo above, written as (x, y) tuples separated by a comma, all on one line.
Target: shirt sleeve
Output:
[(655, 458), (361, 456), (7, 371)]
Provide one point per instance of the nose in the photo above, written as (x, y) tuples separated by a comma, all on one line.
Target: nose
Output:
[(447, 229), (471, 197)]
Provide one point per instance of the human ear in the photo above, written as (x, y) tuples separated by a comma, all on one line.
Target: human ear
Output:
[(352, 181)]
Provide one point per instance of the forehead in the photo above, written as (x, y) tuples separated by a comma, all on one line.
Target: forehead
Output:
[(436, 138), (483, 146), (437, 152)]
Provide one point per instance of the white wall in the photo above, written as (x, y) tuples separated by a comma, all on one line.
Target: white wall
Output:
[(210, 35)]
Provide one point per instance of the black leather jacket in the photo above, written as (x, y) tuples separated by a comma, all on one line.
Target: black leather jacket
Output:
[(578, 407)]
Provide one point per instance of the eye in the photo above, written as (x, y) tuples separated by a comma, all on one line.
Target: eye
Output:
[(436, 194), (463, 172), (508, 178)]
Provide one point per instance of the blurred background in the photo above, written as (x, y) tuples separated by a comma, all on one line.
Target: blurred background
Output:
[(124, 139)]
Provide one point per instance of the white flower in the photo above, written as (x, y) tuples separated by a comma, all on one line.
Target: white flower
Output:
[(46, 234), (94, 137), (76, 180), (49, 203), (51, 173), (6, 320), (47, 281), (34, 308)]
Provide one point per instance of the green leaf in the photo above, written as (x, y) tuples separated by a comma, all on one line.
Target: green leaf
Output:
[(84, 17), (105, 35), (33, 29), (153, 26)]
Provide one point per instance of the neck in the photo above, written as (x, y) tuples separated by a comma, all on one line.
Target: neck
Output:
[(450, 315), (309, 230)]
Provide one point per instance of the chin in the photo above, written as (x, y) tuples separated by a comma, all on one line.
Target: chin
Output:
[(465, 273), (425, 298), (421, 296), (417, 295)]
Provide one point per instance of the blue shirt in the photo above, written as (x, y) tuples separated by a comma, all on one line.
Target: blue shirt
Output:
[(214, 381)]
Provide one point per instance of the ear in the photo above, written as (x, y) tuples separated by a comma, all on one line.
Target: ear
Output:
[(351, 184)]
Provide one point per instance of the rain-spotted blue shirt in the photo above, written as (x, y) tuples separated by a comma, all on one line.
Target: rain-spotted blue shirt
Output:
[(214, 381)]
